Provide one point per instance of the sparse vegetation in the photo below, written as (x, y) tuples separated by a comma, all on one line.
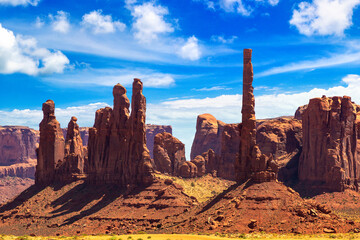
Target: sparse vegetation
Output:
[(203, 188)]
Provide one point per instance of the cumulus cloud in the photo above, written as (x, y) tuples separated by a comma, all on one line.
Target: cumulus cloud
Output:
[(19, 2), (22, 55), (236, 6), (32, 117), (324, 17), (100, 23), (60, 22), (190, 50), (149, 21)]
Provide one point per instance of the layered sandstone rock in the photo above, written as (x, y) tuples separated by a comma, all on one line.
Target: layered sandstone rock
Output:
[(329, 158), (188, 170), (84, 134), (51, 146), (169, 153), (208, 135), (74, 155), (17, 145), (151, 131), (20, 170), (200, 163), (251, 162), (282, 138), (117, 151), (299, 112)]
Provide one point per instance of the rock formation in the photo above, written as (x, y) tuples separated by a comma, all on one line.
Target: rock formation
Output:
[(51, 146), (282, 138), (84, 134), (169, 153), (17, 145), (188, 170), (251, 162), (74, 155), (151, 131), (200, 163), (329, 158), (299, 112), (117, 151), (208, 135)]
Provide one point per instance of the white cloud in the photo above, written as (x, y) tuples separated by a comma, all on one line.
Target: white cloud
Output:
[(236, 6), (39, 23), (60, 22), (215, 88), (324, 17), (101, 23), (191, 49), (32, 117), (22, 55), (19, 2), (110, 77), (273, 2), (149, 21), (223, 39), (334, 60)]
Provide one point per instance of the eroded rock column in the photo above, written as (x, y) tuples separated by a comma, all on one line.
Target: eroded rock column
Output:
[(51, 146)]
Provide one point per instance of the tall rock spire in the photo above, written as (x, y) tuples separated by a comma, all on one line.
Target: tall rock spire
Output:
[(251, 163), (51, 146)]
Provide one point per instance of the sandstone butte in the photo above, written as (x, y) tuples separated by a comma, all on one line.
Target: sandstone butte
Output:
[(330, 150)]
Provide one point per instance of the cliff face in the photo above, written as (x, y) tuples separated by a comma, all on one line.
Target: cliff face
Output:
[(117, 151), (51, 146), (169, 153), (329, 157), (208, 135), (84, 134), (17, 145)]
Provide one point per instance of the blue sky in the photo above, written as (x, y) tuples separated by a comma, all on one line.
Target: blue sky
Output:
[(188, 54)]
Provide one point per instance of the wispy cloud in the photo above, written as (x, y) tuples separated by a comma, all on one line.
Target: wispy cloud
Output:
[(335, 60), (215, 88), (19, 2)]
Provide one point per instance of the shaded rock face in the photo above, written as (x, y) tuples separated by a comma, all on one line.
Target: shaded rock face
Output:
[(84, 134), (169, 153), (329, 158), (299, 112), (151, 131), (188, 170), (74, 155), (280, 137), (117, 151), (17, 145), (200, 163), (251, 162), (21, 170), (208, 135), (51, 146)]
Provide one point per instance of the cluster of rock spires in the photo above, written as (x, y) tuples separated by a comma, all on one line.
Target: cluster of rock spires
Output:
[(117, 142), (58, 159), (262, 150)]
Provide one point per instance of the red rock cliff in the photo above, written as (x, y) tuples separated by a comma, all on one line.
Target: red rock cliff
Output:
[(329, 158), (208, 135), (117, 151), (151, 131)]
